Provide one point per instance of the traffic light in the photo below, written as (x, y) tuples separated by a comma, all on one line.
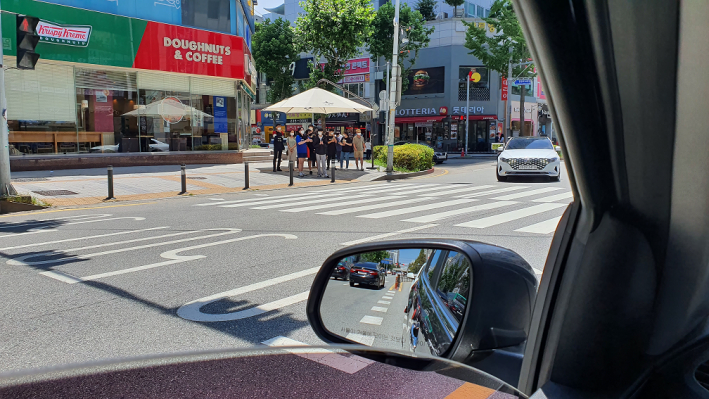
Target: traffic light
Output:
[(27, 39)]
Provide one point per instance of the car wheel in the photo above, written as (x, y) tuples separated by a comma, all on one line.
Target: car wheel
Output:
[(351, 283), (500, 178)]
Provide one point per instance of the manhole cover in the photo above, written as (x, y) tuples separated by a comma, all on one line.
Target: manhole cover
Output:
[(24, 179), (197, 178), (54, 193)]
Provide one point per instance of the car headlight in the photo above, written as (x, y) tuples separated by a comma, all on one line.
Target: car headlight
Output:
[(504, 159), (553, 159)]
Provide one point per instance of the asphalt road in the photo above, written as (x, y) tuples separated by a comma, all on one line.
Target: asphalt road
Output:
[(198, 273)]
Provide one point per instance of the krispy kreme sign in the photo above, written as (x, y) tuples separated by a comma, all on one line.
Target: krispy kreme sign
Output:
[(68, 35)]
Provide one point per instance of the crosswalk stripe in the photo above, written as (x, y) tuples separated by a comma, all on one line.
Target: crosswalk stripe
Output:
[(527, 193), (377, 186), (442, 215), (385, 235), (369, 207), (321, 206), (499, 190), (454, 191), (556, 197), (377, 321), (429, 187), (310, 201), (245, 200), (362, 339), (545, 227), (510, 216), (413, 209), (261, 201), (347, 364)]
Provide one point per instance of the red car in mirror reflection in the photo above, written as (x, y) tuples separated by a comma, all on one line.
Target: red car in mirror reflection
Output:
[(367, 273)]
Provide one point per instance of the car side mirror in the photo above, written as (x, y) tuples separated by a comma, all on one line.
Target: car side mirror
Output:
[(466, 298)]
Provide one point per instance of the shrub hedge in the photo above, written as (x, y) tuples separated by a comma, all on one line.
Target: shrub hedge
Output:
[(216, 147), (414, 157)]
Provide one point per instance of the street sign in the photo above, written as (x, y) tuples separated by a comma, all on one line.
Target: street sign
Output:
[(375, 107), (474, 76), (504, 89), (383, 95), (523, 81)]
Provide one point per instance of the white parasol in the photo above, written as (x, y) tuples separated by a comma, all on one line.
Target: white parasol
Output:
[(317, 101)]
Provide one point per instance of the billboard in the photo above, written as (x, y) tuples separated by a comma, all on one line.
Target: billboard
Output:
[(167, 11), (426, 81)]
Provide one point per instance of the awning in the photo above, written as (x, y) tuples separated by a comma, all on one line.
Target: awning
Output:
[(439, 118)]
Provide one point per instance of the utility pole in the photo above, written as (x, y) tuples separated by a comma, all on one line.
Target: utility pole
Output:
[(521, 110), (6, 188), (392, 92), (385, 138), (508, 104)]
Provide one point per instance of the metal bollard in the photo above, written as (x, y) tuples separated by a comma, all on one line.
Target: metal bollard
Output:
[(332, 173), (184, 179), (246, 175), (110, 183), (290, 171)]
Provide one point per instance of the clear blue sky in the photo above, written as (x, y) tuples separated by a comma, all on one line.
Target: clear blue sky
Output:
[(408, 255)]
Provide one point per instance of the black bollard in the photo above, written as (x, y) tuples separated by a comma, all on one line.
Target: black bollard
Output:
[(332, 173), (290, 171), (110, 183), (184, 179), (246, 175)]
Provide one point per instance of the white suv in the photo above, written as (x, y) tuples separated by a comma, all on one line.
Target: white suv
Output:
[(529, 156)]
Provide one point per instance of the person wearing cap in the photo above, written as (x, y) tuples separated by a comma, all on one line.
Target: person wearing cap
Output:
[(278, 148), (358, 144)]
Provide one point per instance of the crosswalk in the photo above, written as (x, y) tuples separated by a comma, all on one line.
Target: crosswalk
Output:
[(467, 206)]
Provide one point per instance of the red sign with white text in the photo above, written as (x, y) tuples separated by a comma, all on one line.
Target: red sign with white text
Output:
[(540, 91), (172, 48), (504, 88)]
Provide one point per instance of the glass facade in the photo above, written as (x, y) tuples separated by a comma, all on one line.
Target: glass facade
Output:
[(448, 135)]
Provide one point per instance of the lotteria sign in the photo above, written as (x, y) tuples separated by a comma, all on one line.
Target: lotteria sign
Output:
[(88, 37)]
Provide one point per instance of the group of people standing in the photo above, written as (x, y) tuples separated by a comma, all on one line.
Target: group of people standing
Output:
[(319, 148)]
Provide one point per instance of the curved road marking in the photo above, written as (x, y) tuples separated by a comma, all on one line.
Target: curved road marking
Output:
[(172, 255), (191, 311), (21, 261), (45, 229), (81, 238)]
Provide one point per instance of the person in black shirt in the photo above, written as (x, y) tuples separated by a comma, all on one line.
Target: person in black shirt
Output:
[(311, 149), (320, 144), (331, 147), (278, 148), (347, 148)]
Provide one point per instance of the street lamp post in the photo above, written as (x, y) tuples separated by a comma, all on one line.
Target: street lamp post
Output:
[(392, 92)]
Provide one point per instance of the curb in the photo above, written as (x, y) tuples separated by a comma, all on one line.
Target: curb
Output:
[(404, 175)]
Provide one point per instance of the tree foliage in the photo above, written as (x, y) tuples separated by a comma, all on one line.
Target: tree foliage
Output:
[(333, 30), (418, 263), (273, 47), (494, 51), (455, 4), (375, 256), (381, 43), (425, 7)]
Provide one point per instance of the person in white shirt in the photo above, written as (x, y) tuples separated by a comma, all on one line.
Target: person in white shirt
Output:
[(368, 149)]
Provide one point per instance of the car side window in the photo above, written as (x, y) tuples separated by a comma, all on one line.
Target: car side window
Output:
[(431, 270), (454, 284)]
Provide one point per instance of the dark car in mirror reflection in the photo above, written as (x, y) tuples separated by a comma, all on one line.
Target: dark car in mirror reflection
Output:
[(367, 273), (342, 270)]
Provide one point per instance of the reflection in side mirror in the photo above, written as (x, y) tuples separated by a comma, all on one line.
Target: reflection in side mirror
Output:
[(557, 148), (368, 292)]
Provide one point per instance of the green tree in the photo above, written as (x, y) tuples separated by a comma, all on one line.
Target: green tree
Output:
[(274, 49), (333, 30), (375, 256), (425, 7), (494, 50), (418, 263), (455, 4), (381, 43)]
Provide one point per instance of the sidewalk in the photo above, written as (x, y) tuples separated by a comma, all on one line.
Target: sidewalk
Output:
[(89, 186)]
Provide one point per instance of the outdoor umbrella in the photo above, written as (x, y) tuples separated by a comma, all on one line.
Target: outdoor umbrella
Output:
[(317, 101), (168, 109)]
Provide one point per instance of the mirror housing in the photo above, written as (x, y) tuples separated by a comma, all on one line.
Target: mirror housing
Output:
[(502, 295)]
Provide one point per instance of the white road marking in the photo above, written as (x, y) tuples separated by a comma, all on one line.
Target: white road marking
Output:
[(454, 191), (499, 190), (362, 339), (443, 215), (387, 297), (384, 302), (379, 309), (428, 187), (558, 197), (369, 207), (249, 200), (391, 292), (377, 187), (347, 364), (172, 255), (426, 207), (373, 238), (377, 321), (326, 206), (509, 216), (217, 199), (83, 238), (191, 310), (265, 201), (310, 201), (527, 193), (47, 221), (545, 227), (21, 261), (45, 230)]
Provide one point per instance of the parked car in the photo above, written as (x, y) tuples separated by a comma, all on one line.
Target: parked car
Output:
[(158, 146), (528, 156), (105, 148), (367, 273)]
